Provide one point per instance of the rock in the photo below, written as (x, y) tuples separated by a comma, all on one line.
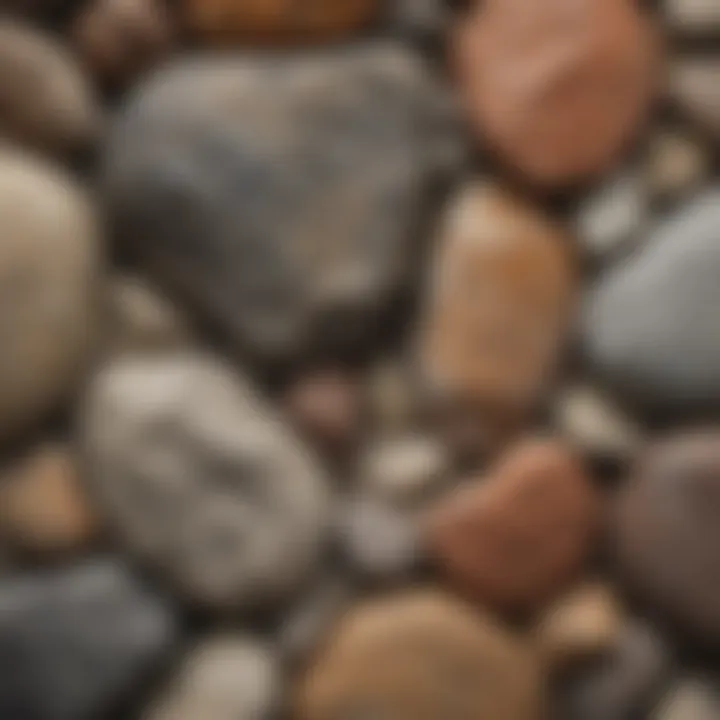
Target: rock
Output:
[(677, 163), (227, 677), (203, 481), (394, 398), (120, 39), (667, 532), (46, 102), (693, 17), (279, 194), (649, 332), (693, 86), (276, 21), (73, 642), (44, 509), (48, 273), (690, 699), (419, 18), (622, 684), (499, 299), (538, 78), (514, 539), (422, 654), (142, 319)]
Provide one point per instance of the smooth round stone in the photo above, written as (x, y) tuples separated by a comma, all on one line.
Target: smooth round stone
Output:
[(677, 162), (693, 86), (75, 642), (498, 301), (690, 699), (276, 21), (227, 677), (49, 269), (202, 480), (513, 540), (649, 331), (667, 532), (46, 102), (693, 17), (43, 504), (118, 40), (623, 684), (421, 656), (538, 79), (279, 194)]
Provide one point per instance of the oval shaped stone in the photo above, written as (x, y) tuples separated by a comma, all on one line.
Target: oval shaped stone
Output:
[(49, 268), (538, 79), (420, 656), (667, 532), (278, 195), (513, 539), (201, 480)]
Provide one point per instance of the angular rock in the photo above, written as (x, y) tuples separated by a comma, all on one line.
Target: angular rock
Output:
[(202, 480), (650, 332), (74, 642), (422, 655), (514, 539), (693, 86), (49, 268), (279, 194), (45, 100)]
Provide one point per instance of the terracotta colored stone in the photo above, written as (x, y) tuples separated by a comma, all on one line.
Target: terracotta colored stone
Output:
[(120, 39), (228, 21), (668, 532), (43, 506), (513, 539), (539, 80), (501, 294), (422, 656)]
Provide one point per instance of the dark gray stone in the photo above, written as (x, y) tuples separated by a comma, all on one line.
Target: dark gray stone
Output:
[(74, 642), (651, 324), (279, 194)]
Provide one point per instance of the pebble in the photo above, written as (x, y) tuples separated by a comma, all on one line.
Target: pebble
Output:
[(281, 22), (538, 79), (497, 305), (419, 656), (667, 532), (49, 268), (693, 86), (46, 101), (44, 508), (279, 194), (202, 480), (690, 699), (693, 17), (514, 539), (119, 40), (650, 331), (226, 677), (677, 163), (74, 642)]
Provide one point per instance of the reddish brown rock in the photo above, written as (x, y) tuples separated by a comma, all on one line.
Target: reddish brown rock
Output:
[(422, 656), (556, 88), (514, 539), (228, 21), (498, 305)]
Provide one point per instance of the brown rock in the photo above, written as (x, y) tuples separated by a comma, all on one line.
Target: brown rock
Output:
[(43, 508), (227, 21), (422, 656), (500, 299), (120, 39), (514, 539), (539, 79)]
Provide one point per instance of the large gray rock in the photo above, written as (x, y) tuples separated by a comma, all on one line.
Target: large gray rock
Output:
[(651, 324), (279, 194), (201, 480), (73, 642)]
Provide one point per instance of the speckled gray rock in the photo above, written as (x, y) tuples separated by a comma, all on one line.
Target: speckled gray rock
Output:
[(228, 677), (696, 17), (280, 194), (45, 100), (74, 642), (650, 325), (694, 87), (690, 699), (49, 267), (200, 478)]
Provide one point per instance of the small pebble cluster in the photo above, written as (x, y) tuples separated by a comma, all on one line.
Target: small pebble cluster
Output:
[(359, 360)]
